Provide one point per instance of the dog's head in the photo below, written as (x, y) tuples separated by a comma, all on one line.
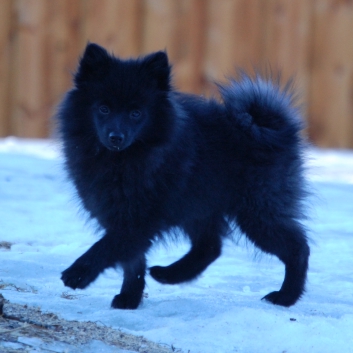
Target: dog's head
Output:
[(128, 99)]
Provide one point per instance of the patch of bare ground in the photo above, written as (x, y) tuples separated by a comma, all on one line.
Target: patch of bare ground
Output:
[(27, 329)]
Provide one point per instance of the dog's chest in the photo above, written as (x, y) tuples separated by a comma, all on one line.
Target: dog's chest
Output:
[(127, 186)]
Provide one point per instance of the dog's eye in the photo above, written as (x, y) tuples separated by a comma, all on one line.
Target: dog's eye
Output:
[(104, 109), (135, 114)]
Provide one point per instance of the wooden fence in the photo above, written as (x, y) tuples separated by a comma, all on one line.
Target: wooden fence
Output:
[(40, 41)]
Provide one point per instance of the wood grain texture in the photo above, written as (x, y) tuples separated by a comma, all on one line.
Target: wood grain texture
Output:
[(206, 40), (5, 65), (331, 89)]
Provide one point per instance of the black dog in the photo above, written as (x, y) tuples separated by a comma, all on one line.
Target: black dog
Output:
[(145, 159)]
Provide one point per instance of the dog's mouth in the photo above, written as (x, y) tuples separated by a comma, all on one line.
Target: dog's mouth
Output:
[(115, 148)]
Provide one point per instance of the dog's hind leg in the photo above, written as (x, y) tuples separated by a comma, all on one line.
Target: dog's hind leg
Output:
[(206, 243), (286, 239)]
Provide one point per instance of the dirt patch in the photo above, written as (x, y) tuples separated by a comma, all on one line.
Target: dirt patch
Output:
[(5, 245), (24, 329)]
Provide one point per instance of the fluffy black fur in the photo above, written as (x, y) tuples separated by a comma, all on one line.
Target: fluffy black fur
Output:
[(145, 159)]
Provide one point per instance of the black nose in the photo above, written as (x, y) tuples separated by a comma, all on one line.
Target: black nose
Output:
[(116, 138)]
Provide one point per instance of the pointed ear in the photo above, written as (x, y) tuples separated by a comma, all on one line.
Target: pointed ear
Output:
[(94, 63), (157, 67)]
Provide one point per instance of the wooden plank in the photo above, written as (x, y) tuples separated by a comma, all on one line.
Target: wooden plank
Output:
[(31, 106), (286, 42), (233, 38), (286, 39), (192, 76), (331, 108), (178, 27), (160, 26), (113, 24), (62, 48), (192, 46), (5, 51)]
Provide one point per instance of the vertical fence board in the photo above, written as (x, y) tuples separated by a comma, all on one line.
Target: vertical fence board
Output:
[(160, 26), (233, 38), (331, 93), (5, 48), (32, 106), (190, 46), (286, 42), (182, 36), (114, 24), (62, 47)]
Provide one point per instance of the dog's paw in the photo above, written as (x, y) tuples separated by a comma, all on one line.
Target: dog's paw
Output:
[(78, 276), (162, 275), (280, 298), (125, 301)]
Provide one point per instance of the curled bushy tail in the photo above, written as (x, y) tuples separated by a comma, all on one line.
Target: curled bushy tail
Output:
[(263, 109)]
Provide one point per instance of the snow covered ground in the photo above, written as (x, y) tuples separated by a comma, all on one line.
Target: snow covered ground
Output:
[(222, 310)]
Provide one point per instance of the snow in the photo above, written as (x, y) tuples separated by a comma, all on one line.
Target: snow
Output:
[(219, 312)]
